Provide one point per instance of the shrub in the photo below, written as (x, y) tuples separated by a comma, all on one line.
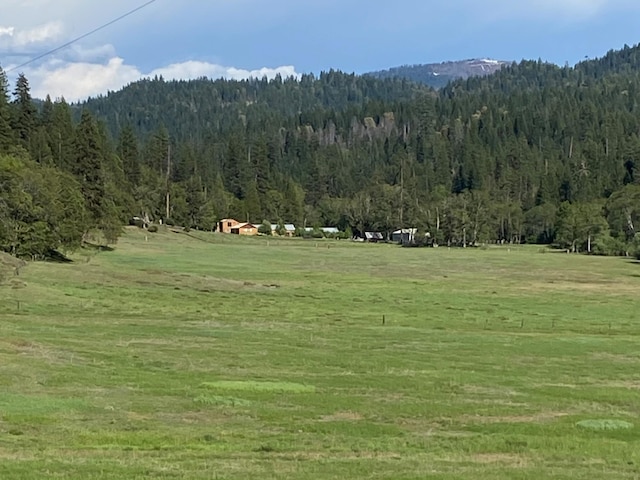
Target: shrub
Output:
[(265, 228), (636, 246), (605, 244), (152, 229)]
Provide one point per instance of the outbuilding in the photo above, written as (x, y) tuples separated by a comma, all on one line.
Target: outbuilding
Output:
[(226, 224), (373, 237), (404, 235), (244, 229)]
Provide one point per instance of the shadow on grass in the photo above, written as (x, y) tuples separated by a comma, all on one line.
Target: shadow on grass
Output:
[(97, 248), (634, 262), (57, 257)]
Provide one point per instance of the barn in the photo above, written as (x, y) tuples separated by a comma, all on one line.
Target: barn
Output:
[(244, 229), (226, 224)]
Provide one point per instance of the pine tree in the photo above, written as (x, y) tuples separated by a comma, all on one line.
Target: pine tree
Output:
[(62, 136), (87, 167), (24, 119), (6, 134), (129, 154)]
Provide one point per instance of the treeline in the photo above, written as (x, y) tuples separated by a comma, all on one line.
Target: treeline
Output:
[(535, 153), (60, 181)]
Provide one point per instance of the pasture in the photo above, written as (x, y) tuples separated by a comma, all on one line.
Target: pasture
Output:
[(205, 356)]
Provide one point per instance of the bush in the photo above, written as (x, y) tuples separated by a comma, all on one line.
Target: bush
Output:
[(152, 229), (605, 244), (636, 246), (265, 228)]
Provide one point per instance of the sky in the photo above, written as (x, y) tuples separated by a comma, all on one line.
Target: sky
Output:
[(184, 39)]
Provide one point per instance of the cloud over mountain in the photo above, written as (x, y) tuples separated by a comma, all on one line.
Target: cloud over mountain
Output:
[(79, 80)]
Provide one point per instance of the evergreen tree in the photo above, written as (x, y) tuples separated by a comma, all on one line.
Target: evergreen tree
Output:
[(61, 135), (24, 119), (6, 134), (87, 167), (129, 155)]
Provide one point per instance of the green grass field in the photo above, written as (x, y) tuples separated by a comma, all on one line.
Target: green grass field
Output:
[(205, 356)]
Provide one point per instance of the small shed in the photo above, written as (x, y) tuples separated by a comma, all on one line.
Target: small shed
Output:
[(289, 229), (404, 235), (226, 224), (244, 229), (373, 237)]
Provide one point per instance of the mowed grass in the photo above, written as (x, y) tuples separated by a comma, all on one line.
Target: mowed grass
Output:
[(206, 356)]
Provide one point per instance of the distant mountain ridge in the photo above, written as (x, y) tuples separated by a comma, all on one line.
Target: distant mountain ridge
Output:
[(437, 75)]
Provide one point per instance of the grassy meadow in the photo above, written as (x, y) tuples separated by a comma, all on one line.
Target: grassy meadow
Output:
[(204, 356)]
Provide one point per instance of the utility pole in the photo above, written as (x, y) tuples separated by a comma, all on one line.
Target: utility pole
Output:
[(402, 193), (168, 199)]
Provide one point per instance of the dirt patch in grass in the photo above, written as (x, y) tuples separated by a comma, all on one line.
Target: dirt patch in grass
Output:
[(342, 417), (505, 402), (617, 358), (38, 350), (257, 386), (490, 391), (21, 455), (506, 459), (342, 456), (541, 417), (221, 401), (625, 384), (610, 288), (189, 281), (556, 385)]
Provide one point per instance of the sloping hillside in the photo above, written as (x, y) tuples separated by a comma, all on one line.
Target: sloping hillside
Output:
[(437, 75)]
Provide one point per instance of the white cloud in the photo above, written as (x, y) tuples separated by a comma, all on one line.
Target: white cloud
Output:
[(75, 81), (13, 39), (192, 69), (93, 66), (80, 80)]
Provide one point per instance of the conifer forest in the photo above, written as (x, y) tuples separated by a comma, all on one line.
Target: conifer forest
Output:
[(535, 153)]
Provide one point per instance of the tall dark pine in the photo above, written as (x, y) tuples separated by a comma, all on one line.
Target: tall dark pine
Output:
[(6, 135), (260, 164), (87, 166), (157, 151), (25, 115), (61, 135), (129, 154), (235, 167), (46, 113)]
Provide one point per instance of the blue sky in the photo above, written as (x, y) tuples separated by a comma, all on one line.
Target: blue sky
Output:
[(240, 38)]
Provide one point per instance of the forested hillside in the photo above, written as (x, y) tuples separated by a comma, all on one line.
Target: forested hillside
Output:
[(532, 153), (437, 75)]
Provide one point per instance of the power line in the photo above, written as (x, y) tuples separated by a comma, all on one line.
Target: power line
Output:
[(71, 42)]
